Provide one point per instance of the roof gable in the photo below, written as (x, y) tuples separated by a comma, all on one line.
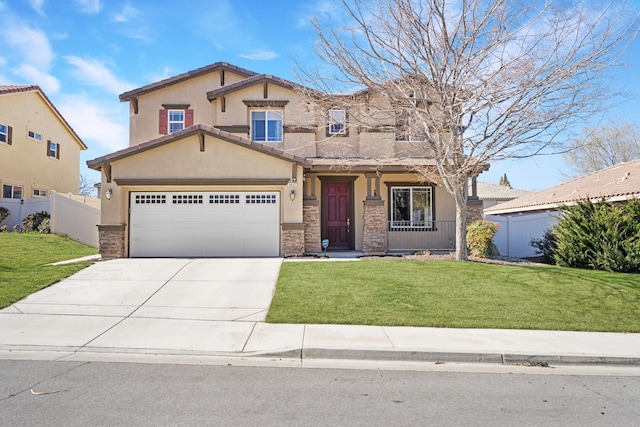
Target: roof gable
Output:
[(615, 183), (193, 130), (186, 76), (18, 89)]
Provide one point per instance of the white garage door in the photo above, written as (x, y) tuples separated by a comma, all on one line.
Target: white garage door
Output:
[(204, 224)]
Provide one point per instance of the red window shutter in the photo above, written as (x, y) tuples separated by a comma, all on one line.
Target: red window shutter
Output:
[(57, 151), (47, 147), (163, 127), (188, 118), (9, 133)]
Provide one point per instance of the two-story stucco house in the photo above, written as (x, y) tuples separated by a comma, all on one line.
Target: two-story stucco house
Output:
[(39, 151), (226, 162)]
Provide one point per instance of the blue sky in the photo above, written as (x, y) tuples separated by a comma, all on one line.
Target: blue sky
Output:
[(84, 53)]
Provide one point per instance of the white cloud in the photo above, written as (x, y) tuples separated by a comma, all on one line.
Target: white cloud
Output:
[(32, 45), (259, 55), (127, 13), (34, 75), (324, 10), (104, 123), (90, 6), (94, 73), (37, 6), (32, 53)]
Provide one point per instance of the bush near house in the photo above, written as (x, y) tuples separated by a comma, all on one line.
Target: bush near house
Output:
[(599, 236), (4, 213), (38, 222), (480, 235)]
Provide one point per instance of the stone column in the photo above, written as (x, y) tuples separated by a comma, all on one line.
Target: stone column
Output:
[(292, 239), (374, 238), (312, 233), (111, 240)]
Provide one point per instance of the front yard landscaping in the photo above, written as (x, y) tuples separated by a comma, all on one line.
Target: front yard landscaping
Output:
[(456, 295), (23, 268)]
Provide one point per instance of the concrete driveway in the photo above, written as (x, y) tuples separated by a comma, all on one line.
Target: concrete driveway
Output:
[(170, 304)]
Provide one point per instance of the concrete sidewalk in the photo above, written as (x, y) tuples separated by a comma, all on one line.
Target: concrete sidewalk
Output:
[(216, 308)]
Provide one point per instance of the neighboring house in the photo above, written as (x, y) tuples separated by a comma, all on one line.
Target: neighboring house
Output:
[(529, 216), (39, 151), (226, 162), (493, 194)]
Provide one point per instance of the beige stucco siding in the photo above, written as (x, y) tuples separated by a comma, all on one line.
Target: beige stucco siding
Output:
[(26, 163), (183, 159), (144, 125)]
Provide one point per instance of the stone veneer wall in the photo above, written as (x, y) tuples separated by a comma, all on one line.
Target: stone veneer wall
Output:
[(374, 240), (292, 239), (111, 240), (312, 233), (474, 210)]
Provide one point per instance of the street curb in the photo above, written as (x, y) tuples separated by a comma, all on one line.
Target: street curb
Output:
[(448, 356)]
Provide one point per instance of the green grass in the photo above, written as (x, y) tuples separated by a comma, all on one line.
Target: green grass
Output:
[(457, 295), (22, 263)]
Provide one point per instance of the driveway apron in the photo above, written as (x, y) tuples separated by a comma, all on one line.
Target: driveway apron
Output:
[(208, 305)]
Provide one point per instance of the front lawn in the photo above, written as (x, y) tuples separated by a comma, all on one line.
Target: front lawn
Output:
[(22, 263), (456, 295)]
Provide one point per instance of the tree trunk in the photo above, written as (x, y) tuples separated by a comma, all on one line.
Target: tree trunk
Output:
[(460, 195)]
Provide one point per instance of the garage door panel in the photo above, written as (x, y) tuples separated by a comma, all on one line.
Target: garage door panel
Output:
[(204, 224)]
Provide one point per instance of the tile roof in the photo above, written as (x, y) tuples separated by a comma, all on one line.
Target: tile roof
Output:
[(253, 80), (193, 130), (9, 89), (615, 183), (185, 76), (488, 191)]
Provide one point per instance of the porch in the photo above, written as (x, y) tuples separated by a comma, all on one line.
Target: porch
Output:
[(433, 236)]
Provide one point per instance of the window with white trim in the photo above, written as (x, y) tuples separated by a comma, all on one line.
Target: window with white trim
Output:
[(337, 122), (408, 128), (411, 207), (39, 193), (11, 191), (53, 150), (176, 120), (4, 133), (266, 126), (34, 135)]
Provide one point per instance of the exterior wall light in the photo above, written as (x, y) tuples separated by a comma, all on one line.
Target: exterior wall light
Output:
[(108, 194), (292, 195)]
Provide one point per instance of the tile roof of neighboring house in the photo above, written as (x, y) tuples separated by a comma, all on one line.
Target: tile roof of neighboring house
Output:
[(616, 183), (488, 191), (193, 130), (9, 89), (185, 76)]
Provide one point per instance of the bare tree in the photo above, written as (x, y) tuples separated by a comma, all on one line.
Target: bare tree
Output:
[(87, 187), (601, 147), (473, 81)]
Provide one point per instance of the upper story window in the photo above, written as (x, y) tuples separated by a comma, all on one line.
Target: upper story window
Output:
[(266, 126), (11, 191), (411, 207), (34, 135), (53, 150), (5, 134), (176, 120), (174, 117), (337, 122), (39, 193)]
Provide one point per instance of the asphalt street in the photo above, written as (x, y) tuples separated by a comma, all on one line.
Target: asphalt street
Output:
[(91, 394)]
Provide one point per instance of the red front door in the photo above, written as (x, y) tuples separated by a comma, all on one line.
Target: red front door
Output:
[(338, 215)]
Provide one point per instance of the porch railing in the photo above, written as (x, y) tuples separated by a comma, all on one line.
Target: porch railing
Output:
[(433, 235)]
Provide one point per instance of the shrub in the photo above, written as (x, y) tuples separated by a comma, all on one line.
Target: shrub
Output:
[(600, 236), (480, 238), (4, 229), (546, 246), (4, 213), (45, 226), (33, 222)]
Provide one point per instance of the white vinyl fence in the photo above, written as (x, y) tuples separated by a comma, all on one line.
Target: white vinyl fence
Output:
[(75, 216), (516, 231)]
